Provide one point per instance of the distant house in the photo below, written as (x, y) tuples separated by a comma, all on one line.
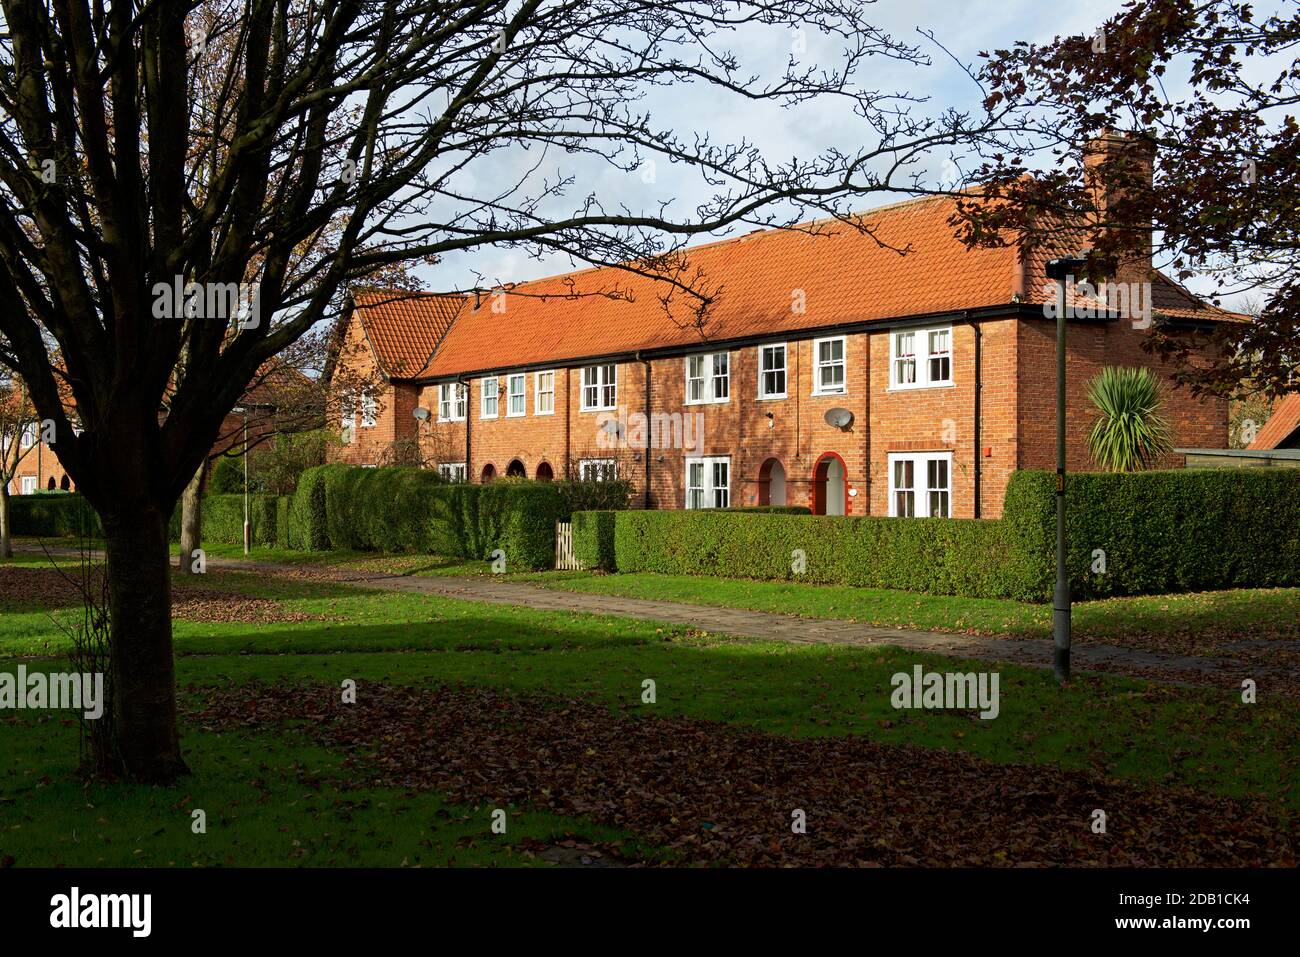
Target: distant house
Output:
[(828, 371), (1277, 444)]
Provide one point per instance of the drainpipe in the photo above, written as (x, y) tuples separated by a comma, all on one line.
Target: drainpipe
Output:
[(568, 405), (469, 417), (866, 426), (645, 501), (979, 388)]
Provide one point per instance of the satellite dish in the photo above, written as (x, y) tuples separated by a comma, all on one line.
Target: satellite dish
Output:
[(838, 417), (421, 414)]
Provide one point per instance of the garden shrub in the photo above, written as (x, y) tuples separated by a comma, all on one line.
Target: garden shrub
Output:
[(593, 539), (1163, 531), (308, 529), (52, 515), (223, 519), (941, 556), (1168, 531), (402, 508)]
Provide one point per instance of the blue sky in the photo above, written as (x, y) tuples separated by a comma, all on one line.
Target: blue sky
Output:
[(964, 28)]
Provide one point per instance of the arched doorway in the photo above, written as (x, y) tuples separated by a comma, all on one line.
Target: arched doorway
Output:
[(65, 483), (828, 485), (515, 469), (489, 473), (50, 484), (771, 483), (544, 472)]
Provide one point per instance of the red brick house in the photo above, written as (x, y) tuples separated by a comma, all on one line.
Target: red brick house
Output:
[(829, 371), (1282, 430)]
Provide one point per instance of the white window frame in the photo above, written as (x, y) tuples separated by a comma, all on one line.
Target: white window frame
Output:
[(920, 482), (521, 395), (818, 365), (369, 411), (30, 434), (784, 369), (538, 392), (348, 420), (453, 471), (921, 356), (715, 383), (27, 484), (602, 388), (494, 393), (712, 495), (452, 398), (604, 469)]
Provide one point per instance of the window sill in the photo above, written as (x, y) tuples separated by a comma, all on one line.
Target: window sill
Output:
[(921, 388)]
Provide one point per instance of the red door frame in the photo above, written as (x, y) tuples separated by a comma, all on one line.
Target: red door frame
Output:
[(817, 494)]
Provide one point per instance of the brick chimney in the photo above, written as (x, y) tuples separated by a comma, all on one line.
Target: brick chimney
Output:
[(1119, 170)]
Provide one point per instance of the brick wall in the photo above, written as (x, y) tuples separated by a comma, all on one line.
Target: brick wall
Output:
[(1195, 422), (395, 403), (1017, 424)]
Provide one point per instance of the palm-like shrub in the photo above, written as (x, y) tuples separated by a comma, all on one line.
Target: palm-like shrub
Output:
[(1129, 433)]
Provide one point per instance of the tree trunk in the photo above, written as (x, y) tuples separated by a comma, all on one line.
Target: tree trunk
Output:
[(191, 520), (139, 602), (6, 542)]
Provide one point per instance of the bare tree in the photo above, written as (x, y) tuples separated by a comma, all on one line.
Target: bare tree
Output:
[(135, 204), (1210, 88), (19, 434)]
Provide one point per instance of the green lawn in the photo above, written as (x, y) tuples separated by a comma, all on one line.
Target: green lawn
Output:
[(1252, 612), (1200, 737), (270, 801), (1199, 619)]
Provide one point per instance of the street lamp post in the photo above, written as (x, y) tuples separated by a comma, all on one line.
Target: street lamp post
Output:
[(1062, 270)]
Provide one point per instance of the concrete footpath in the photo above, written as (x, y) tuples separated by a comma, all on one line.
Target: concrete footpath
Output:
[(761, 624), (1149, 665)]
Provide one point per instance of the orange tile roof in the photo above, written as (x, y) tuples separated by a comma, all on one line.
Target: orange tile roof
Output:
[(844, 276), (839, 275), (1280, 425), (403, 327)]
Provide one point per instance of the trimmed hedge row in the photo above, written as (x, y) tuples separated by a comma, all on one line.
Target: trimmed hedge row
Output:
[(1166, 531), (407, 509), (52, 515), (941, 556), (1170, 531), (223, 519)]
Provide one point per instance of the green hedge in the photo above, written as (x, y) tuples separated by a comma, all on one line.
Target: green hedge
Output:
[(1166, 531), (942, 556), (593, 540), (223, 519), (307, 523), (52, 515), (407, 509), (770, 509), (1170, 531)]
